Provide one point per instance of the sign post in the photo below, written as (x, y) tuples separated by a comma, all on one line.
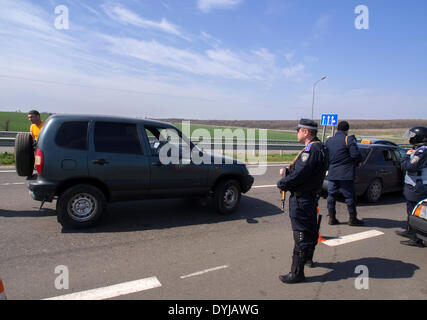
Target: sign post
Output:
[(328, 120)]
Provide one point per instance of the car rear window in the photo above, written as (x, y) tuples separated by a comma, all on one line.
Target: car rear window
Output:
[(117, 137), (72, 135)]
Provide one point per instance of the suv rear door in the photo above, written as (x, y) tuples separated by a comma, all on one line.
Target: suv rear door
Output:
[(117, 159)]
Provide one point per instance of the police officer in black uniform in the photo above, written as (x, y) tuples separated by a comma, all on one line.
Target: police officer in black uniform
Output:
[(304, 181), (344, 156), (415, 189)]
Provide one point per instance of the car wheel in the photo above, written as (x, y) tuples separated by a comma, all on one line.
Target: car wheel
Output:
[(227, 196), (24, 154), (374, 190), (80, 206)]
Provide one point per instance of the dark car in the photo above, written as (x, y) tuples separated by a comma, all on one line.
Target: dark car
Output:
[(87, 161), (380, 171), (418, 220), (377, 141)]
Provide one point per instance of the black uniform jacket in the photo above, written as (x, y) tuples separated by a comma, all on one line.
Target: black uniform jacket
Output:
[(416, 170), (308, 171), (343, 158)]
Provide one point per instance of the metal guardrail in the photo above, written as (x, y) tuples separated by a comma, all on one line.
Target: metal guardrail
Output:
[(7, 139)]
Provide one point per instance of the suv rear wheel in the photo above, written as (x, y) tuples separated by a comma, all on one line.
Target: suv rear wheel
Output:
[(80, 206), (227, 196)]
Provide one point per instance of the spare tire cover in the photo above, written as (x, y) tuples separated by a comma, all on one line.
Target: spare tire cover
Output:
[(24, 154)]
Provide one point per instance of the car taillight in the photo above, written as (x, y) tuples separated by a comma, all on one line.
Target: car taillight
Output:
[(39, 161)]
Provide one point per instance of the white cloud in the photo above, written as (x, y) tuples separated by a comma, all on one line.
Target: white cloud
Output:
[(289, 56), (210, 40), (321, 25), (266, 55), (24, 14), (208, 5), (125, 16), (216, 62), (295, 72)]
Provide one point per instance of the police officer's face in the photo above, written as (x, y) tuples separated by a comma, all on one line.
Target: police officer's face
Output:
[(302, 135)]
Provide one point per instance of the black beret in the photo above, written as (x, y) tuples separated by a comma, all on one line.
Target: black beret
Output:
[(307, 123)]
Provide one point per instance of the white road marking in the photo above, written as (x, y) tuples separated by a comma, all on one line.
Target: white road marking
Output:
[(267, 165), (112, 291), (352, 237), (11, 183), (265, 186), (204, 271), (7, 171)]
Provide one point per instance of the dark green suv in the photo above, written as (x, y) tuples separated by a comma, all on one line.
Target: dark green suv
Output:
[(87, 161)]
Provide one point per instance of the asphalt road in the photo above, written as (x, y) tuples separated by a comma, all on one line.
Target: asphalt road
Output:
[(183, 250)]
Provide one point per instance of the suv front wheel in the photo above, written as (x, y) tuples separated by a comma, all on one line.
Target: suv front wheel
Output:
[(227, 196), (80, 206)]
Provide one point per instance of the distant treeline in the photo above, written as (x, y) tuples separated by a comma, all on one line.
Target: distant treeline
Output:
[(290, 124)]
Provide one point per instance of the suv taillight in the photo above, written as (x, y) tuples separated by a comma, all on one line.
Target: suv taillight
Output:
[(39, 161)]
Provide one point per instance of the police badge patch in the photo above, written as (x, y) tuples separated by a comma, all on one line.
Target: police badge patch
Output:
[(415, 159), (305, 156)]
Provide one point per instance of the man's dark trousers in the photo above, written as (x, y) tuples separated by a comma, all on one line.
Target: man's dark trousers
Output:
[(348, 191), (303, 214)]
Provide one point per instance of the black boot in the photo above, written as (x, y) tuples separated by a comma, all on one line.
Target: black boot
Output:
[(407, 233), (297, 270), (309, 260), (353, 217), (332, 217), (413, 243)]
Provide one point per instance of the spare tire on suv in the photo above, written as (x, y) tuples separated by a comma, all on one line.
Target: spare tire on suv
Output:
[(24, 154)]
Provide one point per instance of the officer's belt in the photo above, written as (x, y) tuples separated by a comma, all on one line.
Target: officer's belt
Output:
[(304, 193)]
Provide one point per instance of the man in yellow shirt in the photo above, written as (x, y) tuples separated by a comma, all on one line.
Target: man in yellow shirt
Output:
[(36, 124)]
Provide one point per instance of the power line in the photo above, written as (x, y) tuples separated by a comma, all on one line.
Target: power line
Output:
[(102, 88)]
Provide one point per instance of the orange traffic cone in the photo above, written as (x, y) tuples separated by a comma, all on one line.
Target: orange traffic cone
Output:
[(2, 293)]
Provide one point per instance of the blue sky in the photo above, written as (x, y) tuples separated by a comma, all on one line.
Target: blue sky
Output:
[(215, 59)]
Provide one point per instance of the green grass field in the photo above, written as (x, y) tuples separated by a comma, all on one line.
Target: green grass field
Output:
[(271, 134), (16, 121), (6, 159)]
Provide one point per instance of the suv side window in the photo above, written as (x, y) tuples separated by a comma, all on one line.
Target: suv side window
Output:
[(158, 137), (72, 135), (114, 137)]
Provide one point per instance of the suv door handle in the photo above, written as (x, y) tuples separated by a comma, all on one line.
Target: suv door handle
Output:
[(157, 164), (100, 161)]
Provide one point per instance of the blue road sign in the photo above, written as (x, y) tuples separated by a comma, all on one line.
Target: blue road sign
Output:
[(329, 120)]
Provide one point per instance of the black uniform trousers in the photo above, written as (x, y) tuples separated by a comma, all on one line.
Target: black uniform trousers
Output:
[(303, 214)]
